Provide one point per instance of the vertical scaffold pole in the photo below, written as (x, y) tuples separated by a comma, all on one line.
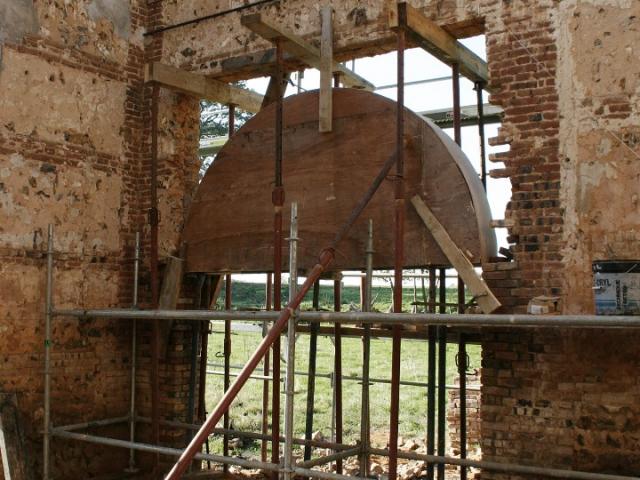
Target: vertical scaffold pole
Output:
[(278, 202), (462, 374), (442, 373), (479, 85), (365, 432), (337, 369), (399, 207), (154, 220), (226, 349), (265, 370), (46, 469), (431, 375), (134, 334), (291, 347), (311, 375)]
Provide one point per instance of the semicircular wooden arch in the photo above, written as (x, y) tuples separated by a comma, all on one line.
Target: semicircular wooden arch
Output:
[(230, 223)]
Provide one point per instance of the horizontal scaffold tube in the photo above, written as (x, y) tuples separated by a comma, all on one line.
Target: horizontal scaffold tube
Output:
[(172, 452), (460, 320), (506, 467)]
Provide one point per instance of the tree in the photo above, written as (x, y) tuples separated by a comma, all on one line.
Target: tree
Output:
[(214, 122)]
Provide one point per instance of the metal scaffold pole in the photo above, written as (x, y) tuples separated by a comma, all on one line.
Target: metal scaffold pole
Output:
[(46, 468), (399, 219), (134, 333), (462, 374), (278, 203), (265, 369), (337, 369), (291, 347), (365, 431), (431, 376)]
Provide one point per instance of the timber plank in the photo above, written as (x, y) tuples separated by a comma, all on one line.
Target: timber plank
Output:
[(438, 42), (301, 49), (474, 282), (169, 294), (202, 87)]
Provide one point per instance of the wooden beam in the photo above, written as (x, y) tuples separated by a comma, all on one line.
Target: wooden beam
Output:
[(477, 286), (325, 122), (169, 294), (438, 42), (301, 49), (272, 89), (202, 87)]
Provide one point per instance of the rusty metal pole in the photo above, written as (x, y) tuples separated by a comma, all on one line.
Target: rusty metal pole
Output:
[(337, 368), (265, 370), (46, 468), (442, 331), (462, 374), (457, 125), (479, 85), (431, 376), (210, 289), (442, 373), (278, 202), (226, 348), (153, 257), (399, 251), (227, 324)]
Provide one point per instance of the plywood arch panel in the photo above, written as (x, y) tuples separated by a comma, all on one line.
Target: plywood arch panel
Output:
[(230, 224)]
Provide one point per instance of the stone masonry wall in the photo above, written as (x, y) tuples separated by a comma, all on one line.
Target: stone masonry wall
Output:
[(65, 75)]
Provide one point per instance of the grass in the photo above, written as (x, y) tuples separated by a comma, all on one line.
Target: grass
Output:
[(246, 411)]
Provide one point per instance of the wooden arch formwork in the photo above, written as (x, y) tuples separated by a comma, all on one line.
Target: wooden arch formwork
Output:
[(230, 224)]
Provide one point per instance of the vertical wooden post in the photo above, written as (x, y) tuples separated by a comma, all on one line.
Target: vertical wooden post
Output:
[(326, 70)]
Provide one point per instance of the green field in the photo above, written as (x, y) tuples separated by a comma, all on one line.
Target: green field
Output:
[(246, 412)]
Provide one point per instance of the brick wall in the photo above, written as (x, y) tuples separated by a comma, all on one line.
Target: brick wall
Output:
[(473, 401), (74, 152)]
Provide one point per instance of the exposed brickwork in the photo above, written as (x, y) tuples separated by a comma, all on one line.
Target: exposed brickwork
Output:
[(474, 438)]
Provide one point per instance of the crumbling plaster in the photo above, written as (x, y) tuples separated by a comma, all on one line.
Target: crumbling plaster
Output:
[(97, 27), (69, 105), (599, 75), (178, 166), (84, 203)]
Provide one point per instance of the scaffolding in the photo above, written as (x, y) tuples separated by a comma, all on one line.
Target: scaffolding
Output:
[(340, 451), (289, 318)]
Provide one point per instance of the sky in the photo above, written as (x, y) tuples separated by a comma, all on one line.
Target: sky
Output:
[(420, 65)]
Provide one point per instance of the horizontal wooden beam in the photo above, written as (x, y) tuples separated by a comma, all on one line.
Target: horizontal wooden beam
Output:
[(203, 87), (300, 48), (438, 42)]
